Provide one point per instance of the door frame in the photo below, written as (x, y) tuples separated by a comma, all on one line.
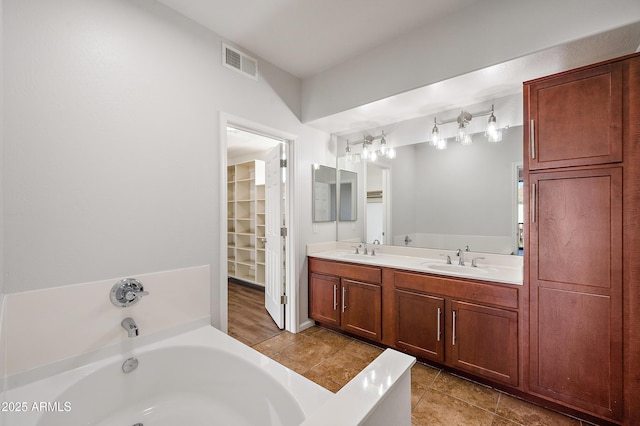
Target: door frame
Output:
[(291, 308)]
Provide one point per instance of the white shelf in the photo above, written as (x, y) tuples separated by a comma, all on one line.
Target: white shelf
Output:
[(246, 218)]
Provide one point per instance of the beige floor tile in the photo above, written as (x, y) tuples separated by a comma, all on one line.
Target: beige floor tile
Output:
[(473, 393), (436, 408), (362, 350), (308, 352), (340, 367), (422, 377), (331, 338), (531, 415), (501, 421), (289, 363), (322, 381), (277, 344)]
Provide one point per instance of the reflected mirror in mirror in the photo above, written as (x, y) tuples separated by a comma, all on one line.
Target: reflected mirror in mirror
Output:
[(348, 195), (324, 193), (449, 199)]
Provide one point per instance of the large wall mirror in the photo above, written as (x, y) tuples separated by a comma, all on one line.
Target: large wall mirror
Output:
[(324, 193), (443, 199)]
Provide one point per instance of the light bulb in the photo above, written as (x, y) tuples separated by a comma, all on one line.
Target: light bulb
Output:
[(373, 155), (462, 132), (435, 134), (383, 145), (493, 132), (391, 153), (442, 144), (365, 151)]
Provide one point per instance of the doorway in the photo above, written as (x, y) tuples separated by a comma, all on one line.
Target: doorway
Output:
[(256, 217), (378, 215)]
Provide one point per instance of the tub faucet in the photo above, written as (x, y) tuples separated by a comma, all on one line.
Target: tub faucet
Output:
[(130, 325)]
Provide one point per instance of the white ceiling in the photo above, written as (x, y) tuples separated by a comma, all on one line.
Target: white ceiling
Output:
[(241, 143), (306, 37)]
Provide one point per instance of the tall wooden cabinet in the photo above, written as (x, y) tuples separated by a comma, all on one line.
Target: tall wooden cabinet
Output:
[(246, 221), (583, 178)]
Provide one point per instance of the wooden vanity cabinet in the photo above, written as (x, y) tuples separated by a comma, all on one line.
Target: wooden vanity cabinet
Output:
[(467, 325), (347, 297)]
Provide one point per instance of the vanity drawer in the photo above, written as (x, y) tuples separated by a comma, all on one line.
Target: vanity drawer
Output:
[(491, 294), (346, 270)]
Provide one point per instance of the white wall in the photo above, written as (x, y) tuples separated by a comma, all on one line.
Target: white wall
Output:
[(472, 39), (111, 158)]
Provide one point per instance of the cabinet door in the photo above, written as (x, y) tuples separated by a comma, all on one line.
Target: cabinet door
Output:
[(419, 324), (576, 289), (361, 309), (575, 119), (324, 299), (484, 341)]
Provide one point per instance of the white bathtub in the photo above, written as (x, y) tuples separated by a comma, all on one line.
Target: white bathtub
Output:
[(204, 377), (201, 377)]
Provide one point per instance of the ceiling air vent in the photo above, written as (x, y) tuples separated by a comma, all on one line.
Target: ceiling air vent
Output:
[(238, 61)]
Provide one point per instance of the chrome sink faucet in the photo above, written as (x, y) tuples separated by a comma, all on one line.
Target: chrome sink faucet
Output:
[(460, 254), (130, 325), (474, 261), (364, 245)]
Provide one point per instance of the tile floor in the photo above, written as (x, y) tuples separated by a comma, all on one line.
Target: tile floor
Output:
[(438, 398), (332, 359)]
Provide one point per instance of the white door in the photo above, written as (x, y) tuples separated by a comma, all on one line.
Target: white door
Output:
[(274, 268)]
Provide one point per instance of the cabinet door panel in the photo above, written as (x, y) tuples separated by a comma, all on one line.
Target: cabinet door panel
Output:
[(575, 348), (573, 352), (576, 241), (420, 324), (362, 307), (324, 299), (577, 118), (484, 341)]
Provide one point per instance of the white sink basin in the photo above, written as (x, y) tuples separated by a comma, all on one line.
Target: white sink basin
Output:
[(458, 269), (352, 256)]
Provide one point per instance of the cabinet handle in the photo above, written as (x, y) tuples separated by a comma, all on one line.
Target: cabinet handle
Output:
[(439, 324), (335, 297), (453, 334), (532, 139), (344, 298), (533, 203)]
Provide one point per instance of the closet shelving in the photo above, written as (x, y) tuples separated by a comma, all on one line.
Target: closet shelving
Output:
[(246, 221)]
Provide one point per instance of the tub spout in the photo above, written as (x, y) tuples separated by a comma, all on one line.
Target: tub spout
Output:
[(130, 325)]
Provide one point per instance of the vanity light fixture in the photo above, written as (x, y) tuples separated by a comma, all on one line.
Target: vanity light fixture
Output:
[(492, 132), (369, 151)]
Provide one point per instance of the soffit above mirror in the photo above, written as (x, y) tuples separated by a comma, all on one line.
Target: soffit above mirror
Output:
[(482, 87)]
